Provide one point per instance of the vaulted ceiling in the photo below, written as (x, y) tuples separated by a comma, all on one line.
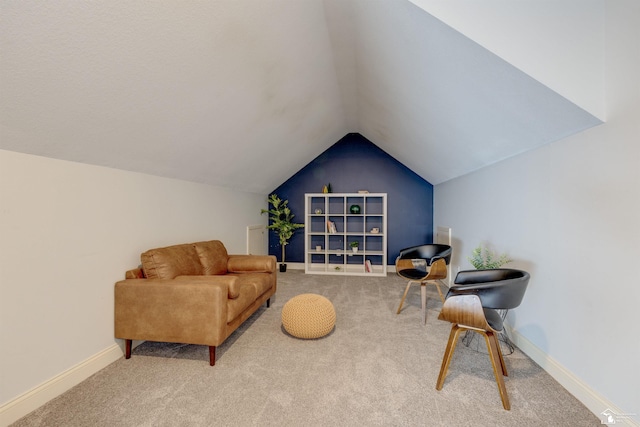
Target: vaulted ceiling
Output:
[(244, 93)]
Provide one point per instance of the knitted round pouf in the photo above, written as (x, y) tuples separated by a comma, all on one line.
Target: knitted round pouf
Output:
[(308, 316)]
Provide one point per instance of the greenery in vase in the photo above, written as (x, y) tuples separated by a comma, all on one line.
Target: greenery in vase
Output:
[(281, 220), (354, 244), (483, 259)]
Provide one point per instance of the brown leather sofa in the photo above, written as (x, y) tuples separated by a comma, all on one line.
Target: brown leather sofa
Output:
[(193, 293)]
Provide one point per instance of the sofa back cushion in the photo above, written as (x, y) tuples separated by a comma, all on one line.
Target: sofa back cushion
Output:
[(213, 257), (172, 261)]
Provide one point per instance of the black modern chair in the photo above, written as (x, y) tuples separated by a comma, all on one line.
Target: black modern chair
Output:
[(472, 303), (423, 264)]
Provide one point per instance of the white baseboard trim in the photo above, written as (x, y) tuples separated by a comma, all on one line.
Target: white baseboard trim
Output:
[(300, 266), (595, 402), (33, 399), (295, 265)]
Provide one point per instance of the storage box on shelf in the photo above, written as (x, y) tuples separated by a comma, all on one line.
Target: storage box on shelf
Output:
[(333, 221)]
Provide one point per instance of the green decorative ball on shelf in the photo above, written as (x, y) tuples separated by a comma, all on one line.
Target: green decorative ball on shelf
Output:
[(354, 209)]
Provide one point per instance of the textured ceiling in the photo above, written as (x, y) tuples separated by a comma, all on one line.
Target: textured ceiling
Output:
[(207, 91)]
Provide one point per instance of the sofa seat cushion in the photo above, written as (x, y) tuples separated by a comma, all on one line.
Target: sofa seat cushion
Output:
[(213, 257), (172, 261), (261, 282), (246, 297), (231, 283)]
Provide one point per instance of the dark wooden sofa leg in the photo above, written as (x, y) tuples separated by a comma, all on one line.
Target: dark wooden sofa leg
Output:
[(127, 349), (212, 355), (269, 303)]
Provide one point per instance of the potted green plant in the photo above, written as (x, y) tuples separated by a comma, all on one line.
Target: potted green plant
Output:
[(281, 221), (354, 246), (483, 259)]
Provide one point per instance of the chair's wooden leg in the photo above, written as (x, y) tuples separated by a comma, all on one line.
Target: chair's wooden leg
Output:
[(127, 349), (439, 291), (504, 365), (448, 354), (423, 296), (494, 355), (403, 297), (212, 355)]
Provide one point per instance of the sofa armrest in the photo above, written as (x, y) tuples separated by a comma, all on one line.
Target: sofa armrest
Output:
[(169, 310), (251, 264), (135, 273)]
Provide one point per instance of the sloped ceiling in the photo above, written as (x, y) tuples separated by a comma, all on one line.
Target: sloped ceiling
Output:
[(244, 93)]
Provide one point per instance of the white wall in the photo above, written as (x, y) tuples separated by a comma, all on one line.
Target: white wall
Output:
[(137, 84), (569, 213), (560, 43), (68, 232)]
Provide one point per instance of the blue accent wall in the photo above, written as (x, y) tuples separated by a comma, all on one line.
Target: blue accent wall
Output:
[(351, 164)]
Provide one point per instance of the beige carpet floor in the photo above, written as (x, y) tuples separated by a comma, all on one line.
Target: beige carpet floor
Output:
[(375, 369)]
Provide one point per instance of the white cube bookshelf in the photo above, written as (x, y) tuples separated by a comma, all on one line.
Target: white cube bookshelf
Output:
[(331, 225)]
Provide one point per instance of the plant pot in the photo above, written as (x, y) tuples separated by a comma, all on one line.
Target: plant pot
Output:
[(283, 268), (355, 250)]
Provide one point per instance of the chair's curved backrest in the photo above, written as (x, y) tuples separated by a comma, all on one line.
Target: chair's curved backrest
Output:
[(430, 253), (498, 288)]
